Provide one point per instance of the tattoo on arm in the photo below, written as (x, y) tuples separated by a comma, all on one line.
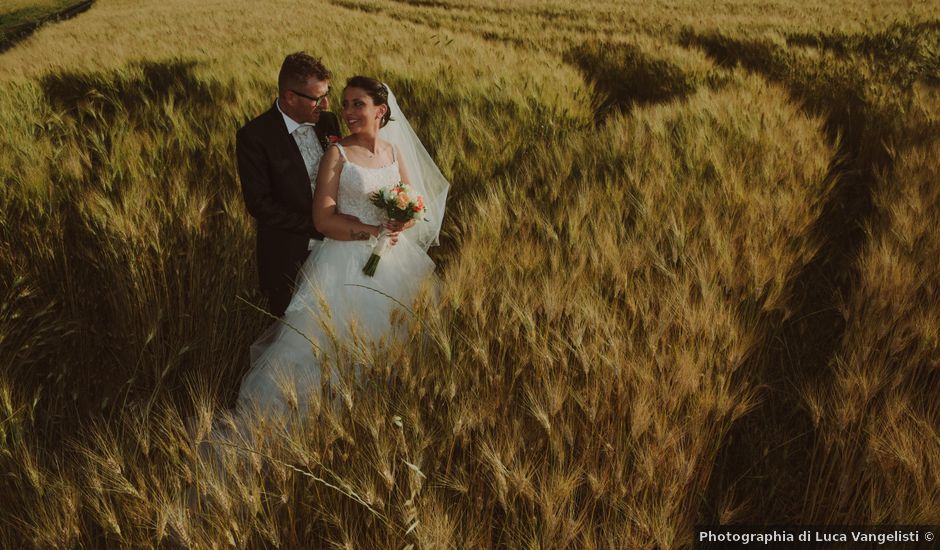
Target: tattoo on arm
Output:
[(359, 235)]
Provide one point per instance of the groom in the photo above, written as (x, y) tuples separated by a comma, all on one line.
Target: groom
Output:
[(278, 155)]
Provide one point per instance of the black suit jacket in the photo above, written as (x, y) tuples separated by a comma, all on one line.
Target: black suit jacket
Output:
[(277, 193)]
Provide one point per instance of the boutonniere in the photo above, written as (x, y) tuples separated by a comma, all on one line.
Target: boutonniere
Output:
[(326, 141)]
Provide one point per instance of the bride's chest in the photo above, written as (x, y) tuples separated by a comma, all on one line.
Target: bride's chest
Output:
[(358, 183)]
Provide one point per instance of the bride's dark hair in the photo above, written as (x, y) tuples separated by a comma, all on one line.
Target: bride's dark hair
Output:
[(376, 90)]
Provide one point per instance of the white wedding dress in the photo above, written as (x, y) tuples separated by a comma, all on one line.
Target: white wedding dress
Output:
[(332, 289)]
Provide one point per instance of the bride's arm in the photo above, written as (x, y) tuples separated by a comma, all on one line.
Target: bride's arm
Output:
[(325, 218)]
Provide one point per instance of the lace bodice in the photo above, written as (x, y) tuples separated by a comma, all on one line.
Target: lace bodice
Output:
[(356, 183)]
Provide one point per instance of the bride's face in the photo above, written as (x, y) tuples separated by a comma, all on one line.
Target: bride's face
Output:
[(360, 112)]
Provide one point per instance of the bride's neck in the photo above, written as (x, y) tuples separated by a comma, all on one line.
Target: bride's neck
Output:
[(369, 141)]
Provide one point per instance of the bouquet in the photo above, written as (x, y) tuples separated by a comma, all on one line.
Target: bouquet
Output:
[(400, 203)]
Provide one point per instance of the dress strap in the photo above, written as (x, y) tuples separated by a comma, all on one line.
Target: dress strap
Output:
[(342, 151)]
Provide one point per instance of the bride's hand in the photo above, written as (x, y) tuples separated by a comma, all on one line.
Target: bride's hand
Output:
[(394, 229), (395, 225)]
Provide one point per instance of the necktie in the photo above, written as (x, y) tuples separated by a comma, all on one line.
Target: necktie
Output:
[(306, 139)]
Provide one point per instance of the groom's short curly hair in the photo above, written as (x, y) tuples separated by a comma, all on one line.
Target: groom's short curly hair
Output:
[(298, 68)]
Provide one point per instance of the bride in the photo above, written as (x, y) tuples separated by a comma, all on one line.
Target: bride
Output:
[(333, 293)]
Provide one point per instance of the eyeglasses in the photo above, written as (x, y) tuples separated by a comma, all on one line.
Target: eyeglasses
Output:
[(316, 100)]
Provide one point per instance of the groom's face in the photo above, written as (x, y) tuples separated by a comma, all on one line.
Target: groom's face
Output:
[(306, 109)]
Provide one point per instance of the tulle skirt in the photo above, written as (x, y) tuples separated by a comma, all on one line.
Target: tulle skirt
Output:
[(335, 302)]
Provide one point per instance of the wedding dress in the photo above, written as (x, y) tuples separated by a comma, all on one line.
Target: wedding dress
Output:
[(333, 293)]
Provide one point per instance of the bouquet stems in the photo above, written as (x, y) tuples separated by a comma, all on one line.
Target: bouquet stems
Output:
[(380, 247)]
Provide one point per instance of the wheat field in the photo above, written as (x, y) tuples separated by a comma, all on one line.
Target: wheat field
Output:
[(688, 276)]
